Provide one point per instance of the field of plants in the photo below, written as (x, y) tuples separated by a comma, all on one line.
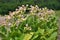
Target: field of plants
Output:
[(29, 23)]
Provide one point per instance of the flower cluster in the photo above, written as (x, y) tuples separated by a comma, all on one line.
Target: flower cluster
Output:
[(20, 14)]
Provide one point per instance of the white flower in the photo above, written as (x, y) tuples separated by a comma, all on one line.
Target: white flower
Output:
[(23, 6), (27, 28), (16, 9), (31, 11), (23, 19), (9, 24), (13, 13), (17, 12), (22, 16), (43, 9), (39, 14), (27, 5), (36, 6), (31, 6), (40, 9), (26, 25)]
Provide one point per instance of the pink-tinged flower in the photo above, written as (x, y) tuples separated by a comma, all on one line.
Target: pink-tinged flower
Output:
[(8, 17), (32, 8), (21, 8), (49, 12), (13, 13), (10, 12), (39, 14), (52, 11)]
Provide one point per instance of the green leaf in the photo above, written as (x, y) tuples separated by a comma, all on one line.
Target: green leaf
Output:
[(22, 37), (28, 36), (53, 36), (41, 31), (49, 31), (35, 36)]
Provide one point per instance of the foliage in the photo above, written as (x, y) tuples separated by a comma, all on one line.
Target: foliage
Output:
[(32, 23), (11, 5)]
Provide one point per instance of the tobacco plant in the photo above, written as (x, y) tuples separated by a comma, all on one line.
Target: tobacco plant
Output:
[(30, 23)]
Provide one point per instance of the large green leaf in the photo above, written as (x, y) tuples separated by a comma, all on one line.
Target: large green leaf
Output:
[(53, 36), (28, 36)]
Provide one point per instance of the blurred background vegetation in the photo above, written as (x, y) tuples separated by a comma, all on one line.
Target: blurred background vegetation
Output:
[(11, 5)]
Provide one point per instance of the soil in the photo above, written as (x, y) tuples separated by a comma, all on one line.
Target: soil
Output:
[(2, 20)]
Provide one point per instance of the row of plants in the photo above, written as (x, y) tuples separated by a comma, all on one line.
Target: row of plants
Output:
[(30, 23)]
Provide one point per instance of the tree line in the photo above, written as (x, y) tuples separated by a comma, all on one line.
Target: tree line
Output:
[(11, 5)]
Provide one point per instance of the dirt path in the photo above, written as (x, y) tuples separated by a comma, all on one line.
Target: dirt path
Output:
[(2, 20)]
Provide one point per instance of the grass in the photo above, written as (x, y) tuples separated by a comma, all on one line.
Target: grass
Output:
[(58, 13)]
